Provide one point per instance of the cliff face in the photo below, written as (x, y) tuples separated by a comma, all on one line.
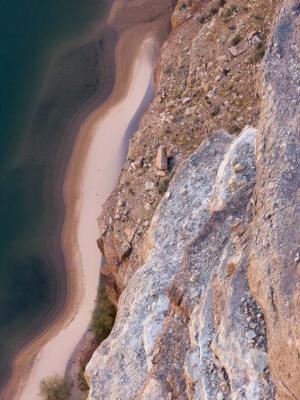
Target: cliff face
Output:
[(201, 233), (201, 88), (274, 268)]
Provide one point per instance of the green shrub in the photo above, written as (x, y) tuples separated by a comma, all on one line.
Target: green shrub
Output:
[(162, 185), (229, 11), (257, 56), (258, 17), (232, 28), (236, 40), (201, 18), (215, 110), (213, 10), (55, 388), (83, 386), (168, 69), (104, 315), (258, 53)]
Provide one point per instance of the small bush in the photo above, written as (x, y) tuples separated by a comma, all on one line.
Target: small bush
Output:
[(232, 28), (83, 386), (258, 53), (228, 12), (213, 10), (201, 19), (225, 71), (162, 185), (104, 315), (168, 70), (236, 40), (258, 17), (215, 110), (55, 388)]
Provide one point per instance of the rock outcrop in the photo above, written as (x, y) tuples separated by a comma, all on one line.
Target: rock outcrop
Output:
[(275, 269), (187, 326), (200, 88), (201, 235)]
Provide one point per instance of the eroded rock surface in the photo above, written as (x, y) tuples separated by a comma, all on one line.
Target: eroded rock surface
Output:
[(275, 269), (200, 89), (187, 327)]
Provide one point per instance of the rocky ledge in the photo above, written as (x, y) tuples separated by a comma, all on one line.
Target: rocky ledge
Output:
[(212, 311)]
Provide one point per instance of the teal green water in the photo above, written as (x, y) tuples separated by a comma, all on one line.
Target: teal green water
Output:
[(40, 92)]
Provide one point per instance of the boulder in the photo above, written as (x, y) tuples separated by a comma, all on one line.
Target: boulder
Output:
[(161, 161)]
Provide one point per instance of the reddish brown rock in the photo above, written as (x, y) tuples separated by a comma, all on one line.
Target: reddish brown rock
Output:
[(161, 161)]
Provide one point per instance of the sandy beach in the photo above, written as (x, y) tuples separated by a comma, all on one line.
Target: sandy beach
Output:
[(92, 185), (93, 171)]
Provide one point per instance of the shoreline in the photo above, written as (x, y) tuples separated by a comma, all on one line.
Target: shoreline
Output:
[(26, 350), (128, 45), (81, 222)]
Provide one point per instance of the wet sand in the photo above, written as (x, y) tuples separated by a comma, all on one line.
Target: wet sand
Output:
[(93, 171)]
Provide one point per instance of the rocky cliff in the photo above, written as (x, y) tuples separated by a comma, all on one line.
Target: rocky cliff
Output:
[(200, 236)]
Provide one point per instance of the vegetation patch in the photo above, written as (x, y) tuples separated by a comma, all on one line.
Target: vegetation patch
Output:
[(257, 54), (162, 185), (213, 10), (104, 315), (55, 388), (201, 18), (236, 40)]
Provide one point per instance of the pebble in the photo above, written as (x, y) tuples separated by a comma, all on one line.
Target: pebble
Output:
[(186, 100), (160, 173), (259, 359), (138, 163), (210, 65), (250, 335), (224, 387), (238, 167), (149, 185), (220, 396), (148, 207), (271, 185), (121, 203)]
